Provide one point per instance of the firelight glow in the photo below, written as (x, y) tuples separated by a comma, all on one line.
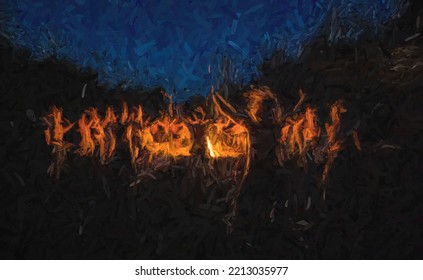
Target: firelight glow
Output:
[(225, 134)]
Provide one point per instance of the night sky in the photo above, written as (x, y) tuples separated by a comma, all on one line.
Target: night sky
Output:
[(172, 43)]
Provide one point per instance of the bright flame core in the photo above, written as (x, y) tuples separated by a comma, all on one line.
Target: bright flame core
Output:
[(226, 137), (223, 133)]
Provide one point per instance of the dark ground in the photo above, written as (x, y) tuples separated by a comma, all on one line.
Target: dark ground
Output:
[(373, 207)]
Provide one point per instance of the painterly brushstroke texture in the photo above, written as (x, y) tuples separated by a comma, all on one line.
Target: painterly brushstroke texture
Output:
[(172, 43)]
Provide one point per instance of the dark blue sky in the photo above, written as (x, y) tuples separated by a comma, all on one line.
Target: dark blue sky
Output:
[(172, 43)]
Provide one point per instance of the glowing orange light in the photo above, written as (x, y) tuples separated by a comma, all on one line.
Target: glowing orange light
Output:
[(124, 115), (54, 134), (334, 141), (167, 136), (220, 126), (226, 137), (97, 132), (57, 126), (299, 132), (356, 140), (255, 98), (86, 145)]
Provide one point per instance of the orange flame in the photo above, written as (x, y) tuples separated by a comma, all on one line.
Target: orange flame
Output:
[(135, 123), (55, 125), (110, 120), (223, 135), (167, 136), (356, 140), (96, 132), (335, 115), (227, 140), (103, 133), (226, 137), (300, 132), (334, 141), (87, 145), (131, 137), (311, 130), (124, 115), (139, 116), (255, 98)]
